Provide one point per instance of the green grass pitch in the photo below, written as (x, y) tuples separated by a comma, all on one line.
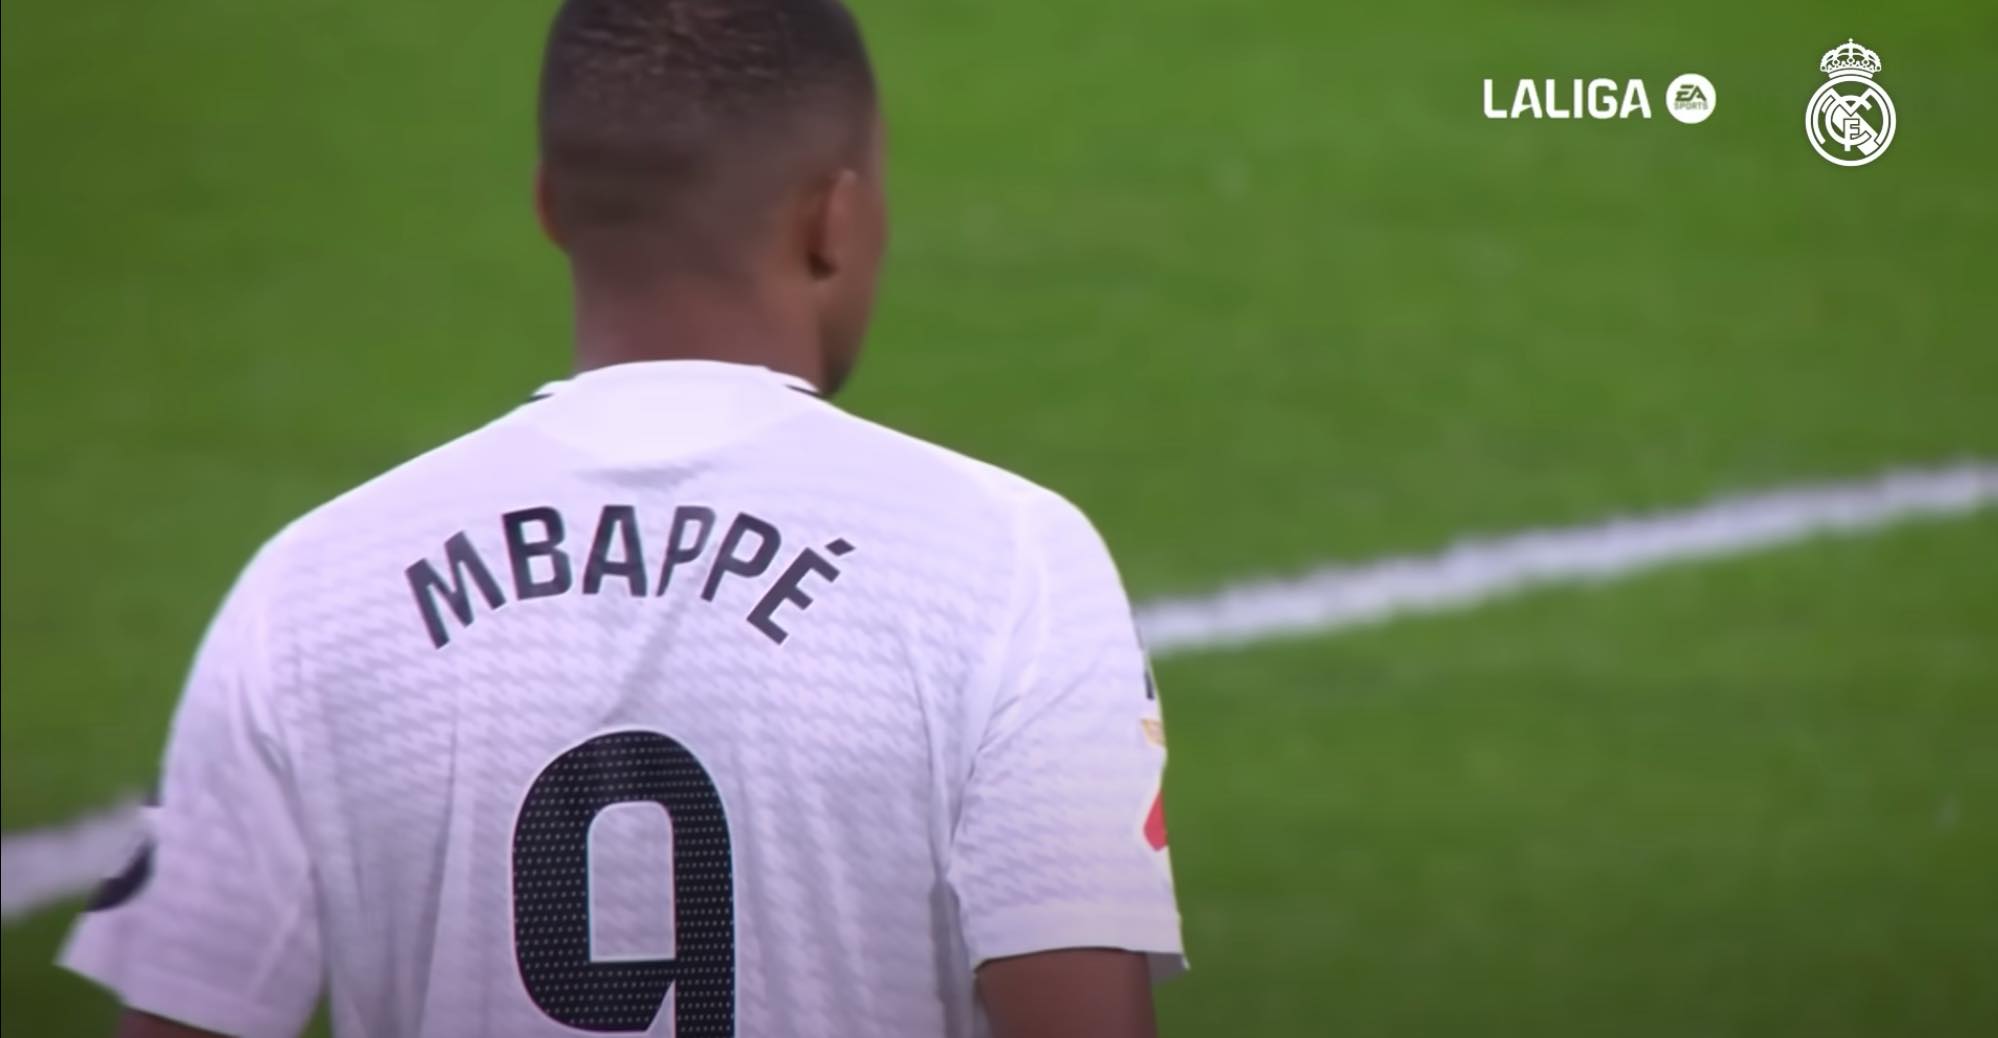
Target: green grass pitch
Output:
[(1256, 284)]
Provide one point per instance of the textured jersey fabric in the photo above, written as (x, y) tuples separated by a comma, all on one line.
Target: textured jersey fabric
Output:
[(677, 701)]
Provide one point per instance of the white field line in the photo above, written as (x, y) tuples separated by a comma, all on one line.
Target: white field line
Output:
[(1470, 571), (40, 867), (43, 866)]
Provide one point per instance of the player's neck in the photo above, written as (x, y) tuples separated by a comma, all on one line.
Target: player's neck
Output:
[(699, 322)]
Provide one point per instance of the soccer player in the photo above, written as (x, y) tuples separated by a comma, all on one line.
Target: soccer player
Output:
[(676, 701)]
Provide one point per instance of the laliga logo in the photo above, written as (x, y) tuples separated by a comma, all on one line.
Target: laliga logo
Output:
[(1529, 101), (1850, 112), (1688, 98)]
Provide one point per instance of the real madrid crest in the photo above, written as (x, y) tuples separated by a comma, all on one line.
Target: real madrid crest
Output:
[(1850, 120)]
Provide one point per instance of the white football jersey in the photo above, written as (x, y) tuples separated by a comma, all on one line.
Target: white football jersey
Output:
[(676, 702)]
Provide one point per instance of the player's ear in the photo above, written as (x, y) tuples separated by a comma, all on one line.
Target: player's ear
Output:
[(544, 205), (832, 225)]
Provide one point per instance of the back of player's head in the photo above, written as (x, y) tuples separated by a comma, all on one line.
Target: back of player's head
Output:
[(672, 129)]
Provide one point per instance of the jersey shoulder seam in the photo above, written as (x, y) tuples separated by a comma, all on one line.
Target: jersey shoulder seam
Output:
[(1001, 486)]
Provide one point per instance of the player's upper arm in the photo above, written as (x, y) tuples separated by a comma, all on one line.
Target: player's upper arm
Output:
[(1059, 841), (214, 923), (1077, 993)]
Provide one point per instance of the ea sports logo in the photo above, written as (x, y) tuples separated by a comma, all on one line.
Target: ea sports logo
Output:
[(1690, 98), (1850, 120)]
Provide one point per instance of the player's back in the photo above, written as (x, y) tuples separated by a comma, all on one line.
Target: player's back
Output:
[(680, 695)]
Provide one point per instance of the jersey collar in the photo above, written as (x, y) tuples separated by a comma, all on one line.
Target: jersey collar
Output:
[(678, 372)]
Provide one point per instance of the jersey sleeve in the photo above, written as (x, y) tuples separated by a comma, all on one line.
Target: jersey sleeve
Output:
[(213, 923), (1060, 836)]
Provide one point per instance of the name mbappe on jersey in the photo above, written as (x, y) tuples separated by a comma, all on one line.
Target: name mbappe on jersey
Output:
[(617, 563)]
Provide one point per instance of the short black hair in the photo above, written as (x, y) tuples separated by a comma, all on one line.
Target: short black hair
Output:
[(671, 117)]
